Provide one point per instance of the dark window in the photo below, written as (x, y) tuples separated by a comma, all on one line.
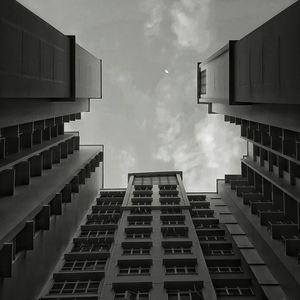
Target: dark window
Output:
[(180, 270), (84, 265), (184, 295), (132, 295), (178, 250), (94, 247), (225, 269), (136, 270), (75, 287), (136, 251), (234, 291), (203, 82)]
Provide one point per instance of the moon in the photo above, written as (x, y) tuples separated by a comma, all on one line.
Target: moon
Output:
[(166, 71)]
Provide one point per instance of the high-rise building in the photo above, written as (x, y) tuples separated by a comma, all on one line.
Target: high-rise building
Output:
[(254, 83), (47, 179), (152, 240), (155, 241)]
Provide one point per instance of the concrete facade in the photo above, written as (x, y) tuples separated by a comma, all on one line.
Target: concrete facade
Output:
[(47, 179), (260, 72), (156, 241)]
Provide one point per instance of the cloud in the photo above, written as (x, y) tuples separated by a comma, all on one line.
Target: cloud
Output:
[(154, 9), (187, 20), (127, 163), (210, 150), (189, 24), (203, 146)]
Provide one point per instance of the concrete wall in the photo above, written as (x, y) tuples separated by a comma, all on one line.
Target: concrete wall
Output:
[(267, 61), (217, 78), (34, 57), (31, 269)]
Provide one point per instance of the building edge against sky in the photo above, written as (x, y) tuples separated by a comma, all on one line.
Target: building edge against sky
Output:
[(152, 239), (48, 179), (254, 83)]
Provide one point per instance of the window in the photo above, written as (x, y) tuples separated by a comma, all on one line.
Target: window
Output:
[(95, 233), (178, 250), (143, 187), (141, 202), (94, 247), (202, 213), (138, 235), (219, 252), (211, 238), (75, 287), (132, 295), (106, 211), (174, 232), (173, 222), (142, 194), (112, 194), (168, 187), (94, 222), (203, 82), (169, 202), (184, 295), (138, 232), (196, 198), (234, 291), (225, 269), (139, 222), (171, 211), (140, 211), (200, 205), (100, 221), (180, 270), (84, 265), (136, 251), (109, 203), (169, 193), (201, 226), (136, 270)]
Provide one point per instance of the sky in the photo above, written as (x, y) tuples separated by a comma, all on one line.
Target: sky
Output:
[(148, 118)]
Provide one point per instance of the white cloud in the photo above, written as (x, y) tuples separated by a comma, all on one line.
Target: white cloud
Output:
[(127, 163), (201, 145), (189, 24), (154, 8), (211, 150)]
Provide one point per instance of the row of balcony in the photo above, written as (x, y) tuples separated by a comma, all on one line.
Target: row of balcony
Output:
[(224, 264), (280, 140), (24, 239), (275, 209), (83, 267), (18, 138)]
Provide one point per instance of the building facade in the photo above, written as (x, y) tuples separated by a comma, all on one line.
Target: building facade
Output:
[(47, 179), (155, 241), (254, 83)]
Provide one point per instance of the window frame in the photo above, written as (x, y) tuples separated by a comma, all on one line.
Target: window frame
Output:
[(134, 270), (74, 287), (234, 291), (136, 251), (181, 270)]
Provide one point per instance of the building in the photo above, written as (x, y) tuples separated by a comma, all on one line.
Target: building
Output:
[(254, 83), (47, 179), (155, 241)]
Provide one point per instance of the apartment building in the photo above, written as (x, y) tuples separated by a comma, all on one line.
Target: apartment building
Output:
[(254, 83), (47, 179), (155, 241)]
